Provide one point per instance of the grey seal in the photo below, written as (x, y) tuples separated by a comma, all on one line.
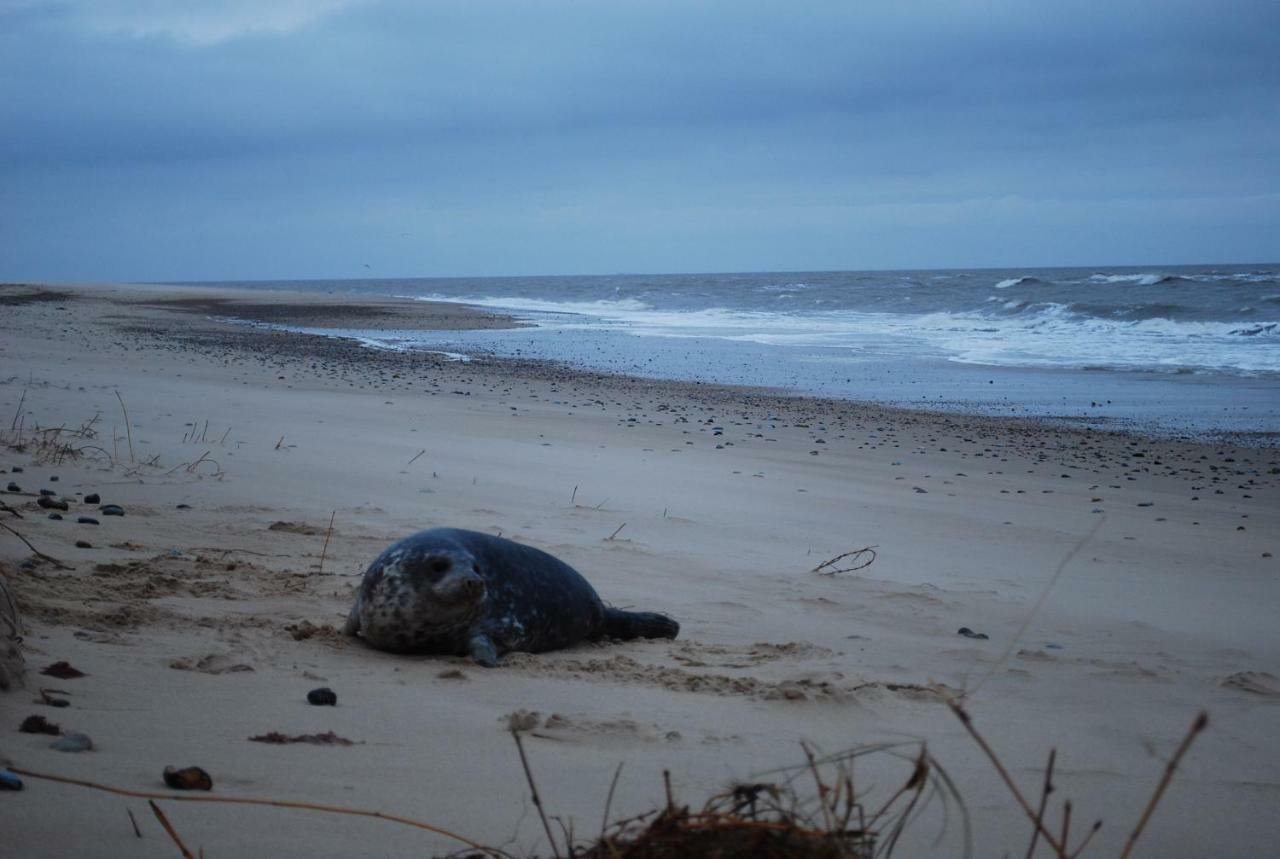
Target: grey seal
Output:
[(454, 592)]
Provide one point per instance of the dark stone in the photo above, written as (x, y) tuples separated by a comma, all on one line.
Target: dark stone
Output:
[(50, 503), (13, 487), (9, 781), (57, 517), (969, 633), (83, 544), (187, 778), (184, 506), (47, 492), (322, 697), (92, 498), (39, 725), (17, 469), (53, 478), (87, 520), (111, 510)]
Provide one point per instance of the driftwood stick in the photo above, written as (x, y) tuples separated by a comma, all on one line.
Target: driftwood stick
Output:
[(134, 821), (828, 568), (1044, 801), (275, 803), (168, 827)]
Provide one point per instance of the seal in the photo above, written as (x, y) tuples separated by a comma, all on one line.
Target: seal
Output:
[(453, 592)]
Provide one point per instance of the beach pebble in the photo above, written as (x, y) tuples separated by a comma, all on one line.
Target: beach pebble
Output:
[(17, 469), (92, 498), (13, 487), (39, 725), (50, 503), (184, 506), (187, 778), (322, 697), (83, 544), (48, 492), (9, 781), (53, 478), (111, 510), (72, 741), (86, 520), (969, 633), (57, 517)]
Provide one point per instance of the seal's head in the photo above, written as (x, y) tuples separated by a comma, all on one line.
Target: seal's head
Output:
[(413, 596)]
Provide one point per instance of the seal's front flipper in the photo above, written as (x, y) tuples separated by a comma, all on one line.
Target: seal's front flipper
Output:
[(482, 649), (353, 620), (638, 624)]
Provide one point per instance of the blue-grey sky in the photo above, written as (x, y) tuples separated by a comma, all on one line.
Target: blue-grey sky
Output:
[(166, 139)]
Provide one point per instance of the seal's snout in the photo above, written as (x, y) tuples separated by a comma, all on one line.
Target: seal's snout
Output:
[(459, 584)]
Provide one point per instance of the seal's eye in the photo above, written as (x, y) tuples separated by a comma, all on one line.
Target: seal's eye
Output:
[(440, 565)]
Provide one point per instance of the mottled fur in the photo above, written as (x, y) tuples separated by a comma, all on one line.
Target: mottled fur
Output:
[(451, 591)]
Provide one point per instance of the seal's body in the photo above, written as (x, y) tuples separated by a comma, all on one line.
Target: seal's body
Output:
[(450, 591)]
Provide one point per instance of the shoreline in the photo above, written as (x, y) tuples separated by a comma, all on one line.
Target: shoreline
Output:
[(205, 614)]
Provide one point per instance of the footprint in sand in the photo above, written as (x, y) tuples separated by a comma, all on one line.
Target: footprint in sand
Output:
[(1255, 682)]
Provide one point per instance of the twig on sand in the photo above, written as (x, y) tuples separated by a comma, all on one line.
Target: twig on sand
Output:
[(275, 803), (1044, 801), (616, 531), (327, 535), (39, 554), (537, 800), (608, 802), (1201, 722), (280, 442), (168, 827), (855, 563), (134, 821), (127, 429), (18, 411), (415, 457), (5, 508)]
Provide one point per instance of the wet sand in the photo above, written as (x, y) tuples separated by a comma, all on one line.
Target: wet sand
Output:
[(204, 624)]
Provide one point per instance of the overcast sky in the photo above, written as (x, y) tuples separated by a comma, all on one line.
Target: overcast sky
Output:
[(164, 139)]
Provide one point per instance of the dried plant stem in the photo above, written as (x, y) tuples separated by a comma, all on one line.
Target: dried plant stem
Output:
[(608, 801), (18, 412), (168, 827), (39, 554), (415, 457), (617, 531), (128, 431), (1201, 722), (537, 800), (1044, 801), (828, 568), (967, 721), (327, 535), (134, 821), (275, 803)]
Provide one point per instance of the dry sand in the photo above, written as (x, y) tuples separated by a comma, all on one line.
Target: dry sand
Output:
[(201, 616)]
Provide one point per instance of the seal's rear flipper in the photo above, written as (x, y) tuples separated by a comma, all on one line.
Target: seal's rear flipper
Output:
[(352, 626), (638, 624)]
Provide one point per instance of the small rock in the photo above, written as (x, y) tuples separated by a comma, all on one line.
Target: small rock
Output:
[(87, 520), (17, 469), (39, 725), (13, 487), (53, 478), (83, 544), (48, 502), (111, 510), (72, 741), (184, 506), (322, 697), (63, 670), (48, 492), (57, 517), (187, 778), (9, 781), (92, 498), (969, 633)]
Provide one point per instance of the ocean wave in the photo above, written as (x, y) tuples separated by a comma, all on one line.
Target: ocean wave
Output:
[(1145, 279), (599, 307), (1018, 281)]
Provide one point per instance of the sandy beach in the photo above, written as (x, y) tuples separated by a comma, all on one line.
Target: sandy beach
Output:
[(204, 615)]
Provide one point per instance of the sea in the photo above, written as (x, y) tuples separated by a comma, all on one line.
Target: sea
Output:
[(1164, 350)]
